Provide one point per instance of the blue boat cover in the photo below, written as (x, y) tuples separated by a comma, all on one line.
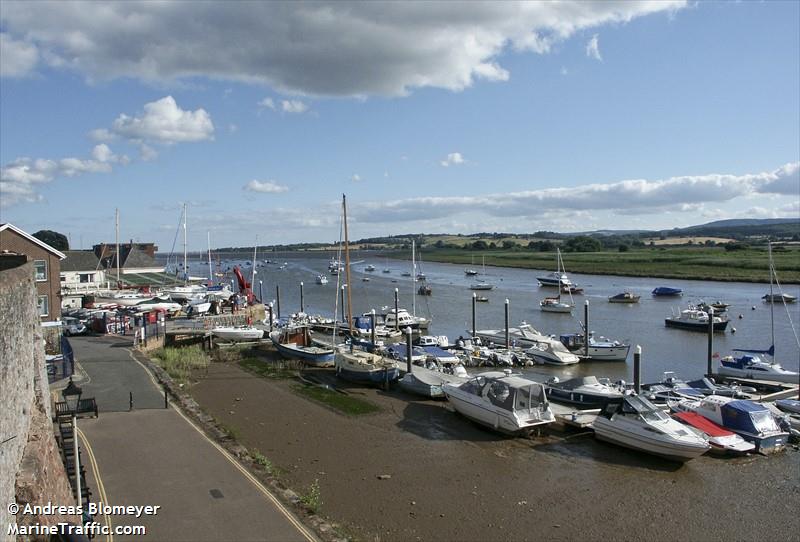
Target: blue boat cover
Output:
[(399, 350), (738, 416), (769, 352), (438, 353), (665, 290)]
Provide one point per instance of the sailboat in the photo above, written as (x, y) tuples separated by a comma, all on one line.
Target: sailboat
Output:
[(354, 364), (555, 304), (482, 284), (471, 271), (557, 278), (751, 365)]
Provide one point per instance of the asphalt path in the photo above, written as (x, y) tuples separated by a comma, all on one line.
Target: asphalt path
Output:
[(156, 456)]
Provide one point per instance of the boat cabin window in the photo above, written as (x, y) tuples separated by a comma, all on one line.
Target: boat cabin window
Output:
[(475, 385), (764, 421), (524, 401), (648, 411)]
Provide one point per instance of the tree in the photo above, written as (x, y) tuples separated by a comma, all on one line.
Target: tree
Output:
[(56, 240), (623, 248)]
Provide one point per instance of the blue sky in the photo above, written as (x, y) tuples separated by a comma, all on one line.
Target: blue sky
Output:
[(431, 117)]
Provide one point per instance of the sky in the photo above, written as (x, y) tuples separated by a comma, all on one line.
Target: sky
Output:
[(432, 117)]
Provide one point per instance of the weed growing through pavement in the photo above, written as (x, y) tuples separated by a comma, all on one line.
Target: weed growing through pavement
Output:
[(313, 497)]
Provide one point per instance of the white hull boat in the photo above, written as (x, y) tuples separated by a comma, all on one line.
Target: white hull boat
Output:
[(554, 304), (755, 368), (501, 401), (540, 348), (636, 423), (238, 333)]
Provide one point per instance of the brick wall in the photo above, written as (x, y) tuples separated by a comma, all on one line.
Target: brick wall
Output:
[(31, 470), (12, 241)]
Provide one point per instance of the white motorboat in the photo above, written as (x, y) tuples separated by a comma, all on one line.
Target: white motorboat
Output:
[(426, 378), (238, 333), (600, 349), (754, 367), (503, 401), (322, 279), (752, 421), (158, 303), (481, 285), (184, 293), (695, 319), (369, 268), (402, 319), (539, 347), (636, 423)]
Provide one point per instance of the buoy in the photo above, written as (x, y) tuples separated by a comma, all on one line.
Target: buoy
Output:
[(741, 316), (733, 330), (753, 307)]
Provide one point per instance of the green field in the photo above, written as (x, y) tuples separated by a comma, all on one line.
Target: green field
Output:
[(700, 263)]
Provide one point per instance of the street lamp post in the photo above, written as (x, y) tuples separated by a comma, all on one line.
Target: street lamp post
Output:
[(72, 397)]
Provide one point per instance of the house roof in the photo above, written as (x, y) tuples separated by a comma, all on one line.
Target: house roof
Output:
[(80, 260), (32, 239), (137, 259)]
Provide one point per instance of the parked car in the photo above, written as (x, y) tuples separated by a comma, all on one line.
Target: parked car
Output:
[(72, 326)]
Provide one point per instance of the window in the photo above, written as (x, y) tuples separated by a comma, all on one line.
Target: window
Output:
[(86, 277), (40, 270), (43, 305)]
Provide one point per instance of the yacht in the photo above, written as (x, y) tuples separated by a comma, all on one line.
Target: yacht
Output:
[(506, 402), (402, 319), (636, 423), (752, 366), (554, 304), (294, 342), (600, 349), (541, 348), (721, 440), (557, 278), (322, 279), (695, 319)]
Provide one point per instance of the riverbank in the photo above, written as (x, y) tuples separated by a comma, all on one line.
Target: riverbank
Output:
[(688, 263), (414, 470)]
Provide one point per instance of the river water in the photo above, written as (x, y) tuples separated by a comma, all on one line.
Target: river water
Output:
[(450, 308)]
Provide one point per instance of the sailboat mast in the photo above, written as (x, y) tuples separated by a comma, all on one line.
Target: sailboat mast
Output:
[(116, 221), (185, 252), (347, 267), (413, 278), (253, 279), (771, 299), (210, 272)]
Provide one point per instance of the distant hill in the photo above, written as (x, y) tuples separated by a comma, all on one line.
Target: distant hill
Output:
[(778, 227)]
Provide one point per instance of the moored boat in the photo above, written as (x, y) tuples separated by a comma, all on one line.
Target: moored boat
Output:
[(557, 278), (600, 349), (295, 342), (778, 298), (554, 304), (624, 297), (238, 333), (694, 319), (752, 366), (636, 423), (583, 391), (665, 291), (502, 401), (721, 440)]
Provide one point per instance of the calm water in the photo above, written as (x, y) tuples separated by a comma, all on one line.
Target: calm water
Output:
[(450, 307)]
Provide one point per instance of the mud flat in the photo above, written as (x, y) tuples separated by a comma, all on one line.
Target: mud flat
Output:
[(449, 479)]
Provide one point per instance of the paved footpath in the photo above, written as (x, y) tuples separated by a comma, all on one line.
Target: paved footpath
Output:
[(155, 456)]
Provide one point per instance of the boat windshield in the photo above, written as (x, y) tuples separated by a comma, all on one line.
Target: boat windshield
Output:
[(764, 421), (647, 410), (501, 395)]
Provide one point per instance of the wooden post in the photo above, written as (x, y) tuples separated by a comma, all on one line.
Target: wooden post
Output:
[(408, 349), (474, 302), (586, 329), (278, 299), (710, 341), (372, 325), (396, 319), (344, 319), (301, 297), (637, 369), (508, 342), (261, 291)]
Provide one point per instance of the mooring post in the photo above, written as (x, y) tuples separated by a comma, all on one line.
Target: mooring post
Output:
[(408, 349), (637, 369), (710, 341), (261, 291), (474, 302), (278, 299), (302, 305), (270, 317), (396, 319), (130, 399), (508, 342), (166, 402), (372, 325), (586, 329)]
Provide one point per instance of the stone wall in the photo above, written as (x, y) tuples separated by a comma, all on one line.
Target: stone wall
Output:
[(31, 470)]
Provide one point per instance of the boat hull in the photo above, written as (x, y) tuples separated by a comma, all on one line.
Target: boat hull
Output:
[(233, 334), (583, 399), (719, 327), (378, 377), (313, 355), (606, 431), (411, 384), (759, 375), (493, 418)]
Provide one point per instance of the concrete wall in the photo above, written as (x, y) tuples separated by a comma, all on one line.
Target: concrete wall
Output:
[(31, 470)]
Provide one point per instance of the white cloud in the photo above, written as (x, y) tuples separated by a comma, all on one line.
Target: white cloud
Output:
[(19, 58), (453, 159), (630, 197), (356, 178), (102, 153), (564, 70), (267, 103), (268, 187), (164, 122), (293, 106), (593, 49), (324, 48), (102, 134)]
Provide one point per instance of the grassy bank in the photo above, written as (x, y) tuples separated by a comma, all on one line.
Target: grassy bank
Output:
[(699, 263), (337, 401), (181, 363)]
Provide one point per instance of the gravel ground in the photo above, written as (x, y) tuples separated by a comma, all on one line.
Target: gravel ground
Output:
[(449, 479)]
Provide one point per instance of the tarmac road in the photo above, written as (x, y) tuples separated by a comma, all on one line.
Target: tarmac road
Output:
[(155, 456)]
